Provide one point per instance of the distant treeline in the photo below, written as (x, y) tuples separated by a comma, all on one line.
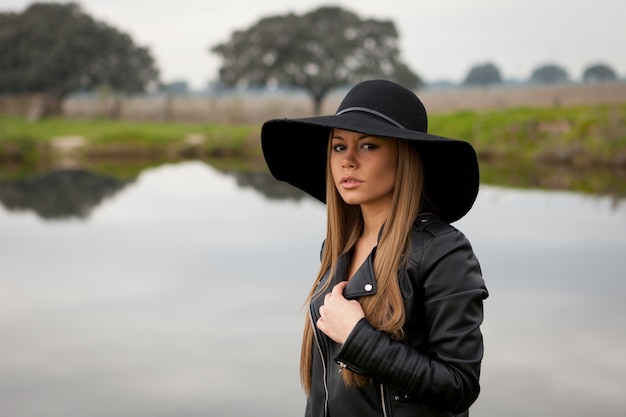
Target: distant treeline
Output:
[(89, 55)]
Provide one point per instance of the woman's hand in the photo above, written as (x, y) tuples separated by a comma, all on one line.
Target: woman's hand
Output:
[(338, 316)]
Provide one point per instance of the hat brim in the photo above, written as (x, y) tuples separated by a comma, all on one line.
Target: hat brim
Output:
[(295, 151)]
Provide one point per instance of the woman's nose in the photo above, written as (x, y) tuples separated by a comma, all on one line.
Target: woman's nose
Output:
[(348, 160)]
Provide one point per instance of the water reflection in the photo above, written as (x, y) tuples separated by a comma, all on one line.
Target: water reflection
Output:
[(59, 194), (181, 294), (264, 183), (556, 323), (66, 193)]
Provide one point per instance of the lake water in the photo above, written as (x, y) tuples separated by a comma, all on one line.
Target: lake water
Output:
[(180, 294)]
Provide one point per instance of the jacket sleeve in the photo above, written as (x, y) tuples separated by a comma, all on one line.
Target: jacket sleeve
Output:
[(444, 372)]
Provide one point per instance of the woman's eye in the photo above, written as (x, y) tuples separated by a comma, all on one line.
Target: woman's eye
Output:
[(369, 146), (338, 148)]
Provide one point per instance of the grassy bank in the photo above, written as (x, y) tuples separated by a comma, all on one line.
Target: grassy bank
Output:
[(23, 141), (581, 136)]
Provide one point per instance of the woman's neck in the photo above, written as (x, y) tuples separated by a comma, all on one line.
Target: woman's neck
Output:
[(373, 220)]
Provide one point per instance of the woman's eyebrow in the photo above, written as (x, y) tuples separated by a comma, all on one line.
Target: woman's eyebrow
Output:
[(364, 136)]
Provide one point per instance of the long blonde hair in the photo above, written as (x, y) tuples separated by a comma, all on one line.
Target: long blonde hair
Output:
[(385, 309)]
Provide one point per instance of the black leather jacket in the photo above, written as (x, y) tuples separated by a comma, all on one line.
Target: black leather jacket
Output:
[(435, 370)]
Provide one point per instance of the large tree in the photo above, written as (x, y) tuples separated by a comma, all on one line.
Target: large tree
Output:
[(549, 74), (599, 73), (317, 51), (56, 49), (483, 74)]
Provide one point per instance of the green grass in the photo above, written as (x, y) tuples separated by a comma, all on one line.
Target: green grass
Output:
[(595, 134), (582, 135), (106, 133)]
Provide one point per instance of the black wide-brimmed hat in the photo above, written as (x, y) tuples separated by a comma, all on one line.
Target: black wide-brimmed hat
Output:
[(295, 150)]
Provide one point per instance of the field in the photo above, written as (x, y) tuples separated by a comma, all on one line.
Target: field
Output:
[(256, 108)]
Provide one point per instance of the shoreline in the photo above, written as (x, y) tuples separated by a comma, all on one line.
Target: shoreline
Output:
[(572, 125)]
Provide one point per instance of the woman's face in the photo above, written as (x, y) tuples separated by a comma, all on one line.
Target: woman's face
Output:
[(364, 168)]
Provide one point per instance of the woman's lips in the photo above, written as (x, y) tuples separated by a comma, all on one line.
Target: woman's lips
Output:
[(350, 182)]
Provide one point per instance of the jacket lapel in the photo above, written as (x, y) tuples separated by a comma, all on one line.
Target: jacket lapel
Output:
[(363, 282)]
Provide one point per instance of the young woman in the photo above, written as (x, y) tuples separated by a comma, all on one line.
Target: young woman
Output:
[(395, 310)]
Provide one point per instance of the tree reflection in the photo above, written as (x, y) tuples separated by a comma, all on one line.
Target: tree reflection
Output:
[(268, 186), (594, 181), (60, 194), (67, 193), (589, 180)]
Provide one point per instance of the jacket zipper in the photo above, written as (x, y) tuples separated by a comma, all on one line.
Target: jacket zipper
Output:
[(383, 400), (319, 348)]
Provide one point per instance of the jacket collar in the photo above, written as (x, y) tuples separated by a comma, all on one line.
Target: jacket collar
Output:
[(363, 282)]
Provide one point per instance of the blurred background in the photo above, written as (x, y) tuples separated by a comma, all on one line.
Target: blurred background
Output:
[(151, 266)]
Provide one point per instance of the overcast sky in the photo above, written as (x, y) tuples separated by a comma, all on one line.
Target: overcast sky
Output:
[(440, 40)]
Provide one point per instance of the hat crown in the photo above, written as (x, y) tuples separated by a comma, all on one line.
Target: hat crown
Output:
[(389, 101)]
